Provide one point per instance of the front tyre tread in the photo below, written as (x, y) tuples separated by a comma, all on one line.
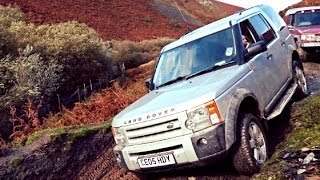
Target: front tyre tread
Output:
[(300, 79), (243, 159)]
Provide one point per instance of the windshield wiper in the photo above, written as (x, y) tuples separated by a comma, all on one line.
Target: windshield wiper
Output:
[(172, 81), (217, 66)]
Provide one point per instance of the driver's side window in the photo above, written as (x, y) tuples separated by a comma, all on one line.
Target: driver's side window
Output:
[(255, 30), (247, 37), (248, 34), (263, 29)]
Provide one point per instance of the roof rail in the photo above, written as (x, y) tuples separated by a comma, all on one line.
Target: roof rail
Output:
[(240, 12), (295, 10)]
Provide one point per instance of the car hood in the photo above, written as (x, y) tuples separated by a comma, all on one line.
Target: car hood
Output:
[(180, 96), (315, 29)]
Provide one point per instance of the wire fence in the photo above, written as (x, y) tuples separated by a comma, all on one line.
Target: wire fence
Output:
[(80, 94)]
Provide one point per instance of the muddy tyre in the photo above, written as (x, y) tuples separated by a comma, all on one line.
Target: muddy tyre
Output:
[(302, 53), (251, 150), (300, 79)]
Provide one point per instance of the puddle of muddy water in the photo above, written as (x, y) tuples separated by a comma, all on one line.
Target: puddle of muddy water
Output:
[(312, 72)]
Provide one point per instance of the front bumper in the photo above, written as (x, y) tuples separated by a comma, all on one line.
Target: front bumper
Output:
[(193, 149)]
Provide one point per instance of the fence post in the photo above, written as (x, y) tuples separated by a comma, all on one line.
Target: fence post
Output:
[(123, 69), (84, 90), (59, 102), (90, 84), (78, 94)]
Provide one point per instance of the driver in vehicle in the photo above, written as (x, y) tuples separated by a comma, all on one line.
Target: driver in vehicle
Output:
[(245, 42)]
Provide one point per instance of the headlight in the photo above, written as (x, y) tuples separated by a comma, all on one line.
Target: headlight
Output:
[(203, 116), (118, 137), (308, 37)]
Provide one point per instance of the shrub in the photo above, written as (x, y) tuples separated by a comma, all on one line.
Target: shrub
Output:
[(27, 77), (57, 39), (81, 68), (133, 54), (10, 15), (7, 80), (74, 46), (7, 42)]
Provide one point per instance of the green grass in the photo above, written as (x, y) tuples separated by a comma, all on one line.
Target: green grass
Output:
[(16, 161), (36, 135), (73, 132), (306, 133)]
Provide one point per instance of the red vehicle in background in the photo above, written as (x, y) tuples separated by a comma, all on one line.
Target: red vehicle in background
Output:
[(304, 24)]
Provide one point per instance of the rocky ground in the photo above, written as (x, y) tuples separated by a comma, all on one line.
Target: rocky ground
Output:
[(115, 19)]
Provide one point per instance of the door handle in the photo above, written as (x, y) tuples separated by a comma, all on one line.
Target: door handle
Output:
[(269, 56)]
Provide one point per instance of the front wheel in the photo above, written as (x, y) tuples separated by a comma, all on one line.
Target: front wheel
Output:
[(300, 79), (252, 150)]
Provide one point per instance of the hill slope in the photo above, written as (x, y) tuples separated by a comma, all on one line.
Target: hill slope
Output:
[(133, 19)]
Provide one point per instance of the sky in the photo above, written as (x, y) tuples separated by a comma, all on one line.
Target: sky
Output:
[(278, 5)]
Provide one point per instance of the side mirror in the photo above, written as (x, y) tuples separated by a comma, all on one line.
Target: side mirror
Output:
[(148, 83), (255, 48)]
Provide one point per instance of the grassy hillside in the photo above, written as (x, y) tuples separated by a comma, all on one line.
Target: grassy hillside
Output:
[(304, 132), (43, 66), (36, 51)]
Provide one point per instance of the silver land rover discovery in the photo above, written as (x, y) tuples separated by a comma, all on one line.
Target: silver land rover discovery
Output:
[(210, 96)]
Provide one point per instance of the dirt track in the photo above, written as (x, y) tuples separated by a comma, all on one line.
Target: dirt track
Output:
[(105, 167)]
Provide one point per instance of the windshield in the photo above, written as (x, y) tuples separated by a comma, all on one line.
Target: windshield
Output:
[(214, 50), (307, 19)]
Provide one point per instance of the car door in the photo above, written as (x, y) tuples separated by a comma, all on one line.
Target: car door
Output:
[(266, 66), (286, 40), (276, 53)]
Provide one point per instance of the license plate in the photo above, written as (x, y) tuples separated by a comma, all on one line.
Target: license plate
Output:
[(311, 44), (156, 161)]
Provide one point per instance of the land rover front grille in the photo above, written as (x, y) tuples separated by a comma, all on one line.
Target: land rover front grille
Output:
[(161, 129)]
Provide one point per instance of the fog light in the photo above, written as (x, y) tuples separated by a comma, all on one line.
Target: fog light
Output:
[(203, 141)]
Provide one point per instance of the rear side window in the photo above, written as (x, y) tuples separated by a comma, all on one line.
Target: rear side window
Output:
[(262, 28), (274, 16), (256, 29)]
